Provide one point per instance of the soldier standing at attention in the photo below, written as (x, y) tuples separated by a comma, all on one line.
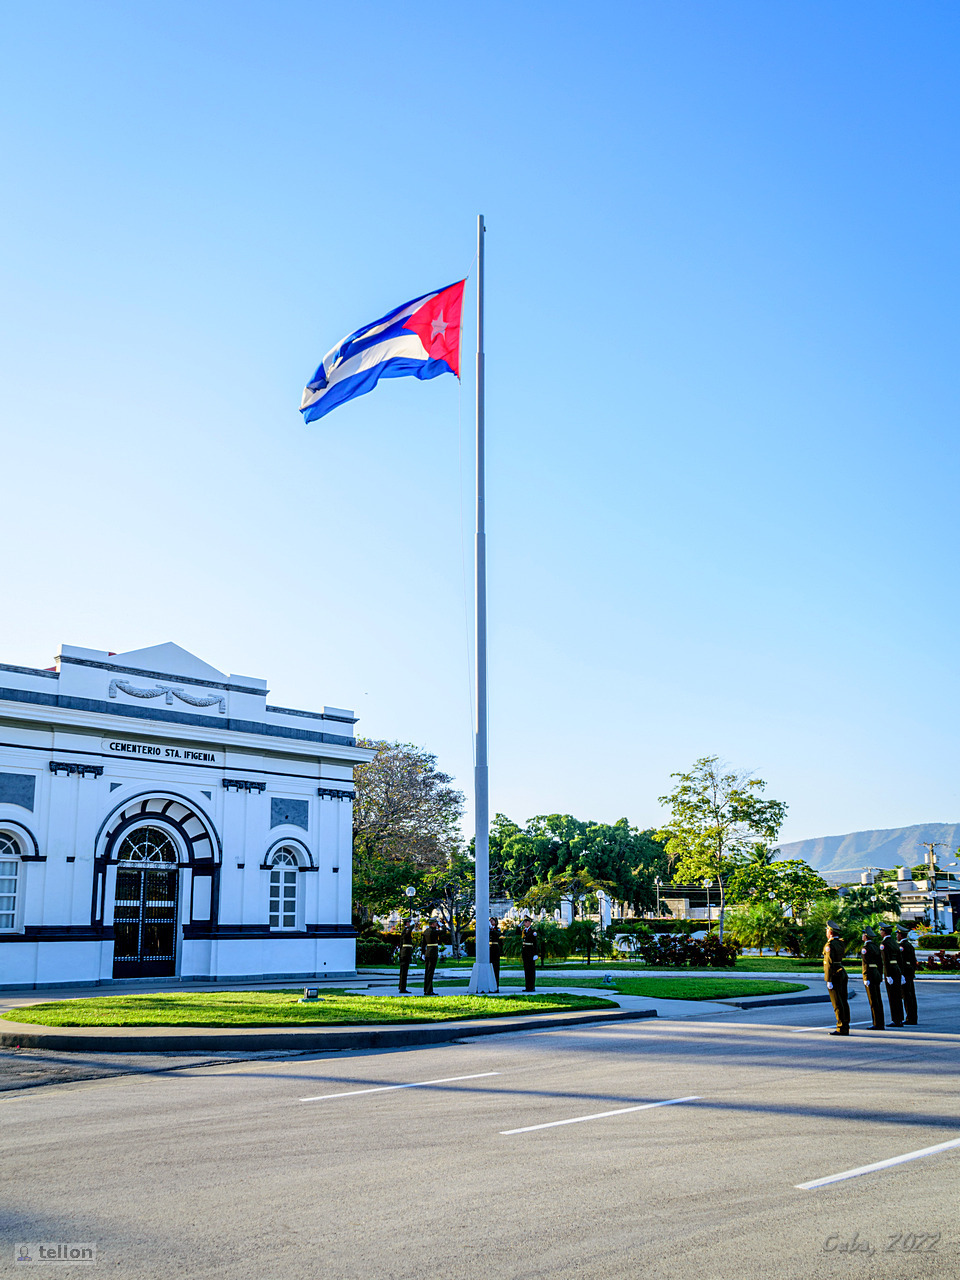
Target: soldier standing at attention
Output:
[(406, 955), (891, 973), (908, 969), (872, 964), (431, 949), (528, 950), (496, 948), (836, 978)]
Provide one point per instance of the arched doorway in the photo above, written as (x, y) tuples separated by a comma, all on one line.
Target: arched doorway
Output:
[(156, 880), (145, 904)]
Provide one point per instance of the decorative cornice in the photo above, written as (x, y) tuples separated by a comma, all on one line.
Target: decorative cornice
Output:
[(100, 706), (334, 793), (137, 691), (313, 715), (30, 671), (69, 767), (242, 784), (158, 675)]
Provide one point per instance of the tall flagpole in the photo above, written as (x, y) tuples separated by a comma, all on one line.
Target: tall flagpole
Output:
[(481, 979)]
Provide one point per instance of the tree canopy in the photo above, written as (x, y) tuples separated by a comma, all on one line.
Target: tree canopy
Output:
[(715, 817), (406, 819), (619, 858)]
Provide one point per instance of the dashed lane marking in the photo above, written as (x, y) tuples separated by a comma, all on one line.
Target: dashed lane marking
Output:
[(385, 1088), (880, 1164), (600, 1115)]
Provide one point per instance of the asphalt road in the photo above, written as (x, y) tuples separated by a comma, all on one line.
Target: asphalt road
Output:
[(530, 1155)]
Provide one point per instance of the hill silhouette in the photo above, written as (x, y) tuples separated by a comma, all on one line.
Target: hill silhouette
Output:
[(893, 847)]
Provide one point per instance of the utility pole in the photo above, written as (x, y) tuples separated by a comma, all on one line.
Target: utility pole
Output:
[(930, 845)]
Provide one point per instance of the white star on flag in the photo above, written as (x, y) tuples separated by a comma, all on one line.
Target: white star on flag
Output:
[(439, 326)]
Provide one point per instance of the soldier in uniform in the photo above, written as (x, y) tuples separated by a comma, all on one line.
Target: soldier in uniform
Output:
[(496, 948), (871, 962), (891, 973), (908, 969), (528, 950), (406, 955), (430, 942), (836, 978)]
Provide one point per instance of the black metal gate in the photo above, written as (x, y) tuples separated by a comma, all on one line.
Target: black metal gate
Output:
[(145, 922)]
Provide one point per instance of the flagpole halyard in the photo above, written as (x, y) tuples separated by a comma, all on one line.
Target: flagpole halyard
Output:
[(482, 979)]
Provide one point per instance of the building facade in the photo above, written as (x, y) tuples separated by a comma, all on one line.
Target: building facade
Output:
[(158, 819)]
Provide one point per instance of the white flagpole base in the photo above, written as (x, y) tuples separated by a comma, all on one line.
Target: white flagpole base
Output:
[(483, 981)]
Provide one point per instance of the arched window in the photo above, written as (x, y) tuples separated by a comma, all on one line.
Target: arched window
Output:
[(147, 844), (283, 890), (9, 869)]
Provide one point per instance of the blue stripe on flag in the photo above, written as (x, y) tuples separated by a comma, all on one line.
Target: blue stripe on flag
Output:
[(360, 383)]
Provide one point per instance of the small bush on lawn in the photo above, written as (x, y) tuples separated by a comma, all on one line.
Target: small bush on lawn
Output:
[(942, 962), (373, 948), (936, 941)]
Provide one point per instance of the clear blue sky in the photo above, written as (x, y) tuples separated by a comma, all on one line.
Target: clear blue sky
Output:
[(722, 376)]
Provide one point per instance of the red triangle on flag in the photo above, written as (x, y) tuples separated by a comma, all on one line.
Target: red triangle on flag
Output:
[(437, 325)]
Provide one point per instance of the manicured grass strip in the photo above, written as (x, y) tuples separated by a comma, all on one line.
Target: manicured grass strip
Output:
[(667, 988), (745, 964), (704, 988), (280, 1008)]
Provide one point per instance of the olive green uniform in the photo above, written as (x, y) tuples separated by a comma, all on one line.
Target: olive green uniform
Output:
[(891, 977), (528, 950), (431, 950), (871, 962), (836, 978), (496, 950), (406, 955), (908, 969)]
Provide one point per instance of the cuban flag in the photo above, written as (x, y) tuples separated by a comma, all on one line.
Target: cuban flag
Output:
[(420, 339)]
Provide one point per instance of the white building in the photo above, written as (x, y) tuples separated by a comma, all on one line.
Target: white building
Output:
[(158, 818)]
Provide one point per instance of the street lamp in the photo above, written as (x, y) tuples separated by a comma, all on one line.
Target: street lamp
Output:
[(708, 885), (411, 893), (658, 882)]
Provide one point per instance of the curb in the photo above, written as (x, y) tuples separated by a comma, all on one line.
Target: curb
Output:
[(159, 1040), (783, 1000)]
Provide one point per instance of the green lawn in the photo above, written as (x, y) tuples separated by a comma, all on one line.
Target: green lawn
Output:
[(745, 964), (666, 988), (280, 1008), (704, 988)]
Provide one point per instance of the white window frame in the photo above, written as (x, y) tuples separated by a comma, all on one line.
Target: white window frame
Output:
[(284, 861), (13, 854)]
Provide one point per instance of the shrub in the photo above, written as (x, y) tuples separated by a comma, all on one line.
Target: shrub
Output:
[(374, 948), (711, 952), (941, 961), (934, 941)]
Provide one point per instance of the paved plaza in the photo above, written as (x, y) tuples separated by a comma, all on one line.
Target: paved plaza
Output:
[(692, 1147)]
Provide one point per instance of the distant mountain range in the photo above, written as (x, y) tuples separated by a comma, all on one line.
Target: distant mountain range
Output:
[(833, 856)]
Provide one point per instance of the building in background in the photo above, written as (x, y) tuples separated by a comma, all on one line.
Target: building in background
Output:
[(158, 818)]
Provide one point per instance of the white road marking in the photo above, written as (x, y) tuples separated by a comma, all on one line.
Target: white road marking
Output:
[(384, 1088), (881, 1164), (599, 1115), (867, 1022)]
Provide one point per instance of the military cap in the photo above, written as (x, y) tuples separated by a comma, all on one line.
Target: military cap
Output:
[(832, 924), (868, 932), (902, 928), (886, 928)]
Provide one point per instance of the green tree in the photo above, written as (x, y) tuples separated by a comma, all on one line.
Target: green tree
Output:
[(814, 928), (586, 938), (714, 819), (565, 886), (451, 892), (378, 886), (405, 822), (791, 883), (870, 899), (757, 924)]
